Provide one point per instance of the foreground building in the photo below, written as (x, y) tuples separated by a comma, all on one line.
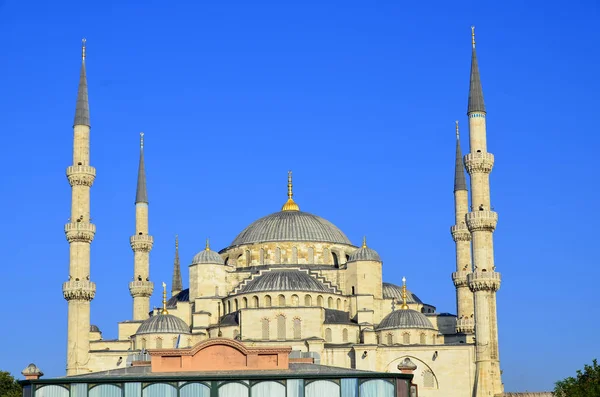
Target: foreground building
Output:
[(293, 279)]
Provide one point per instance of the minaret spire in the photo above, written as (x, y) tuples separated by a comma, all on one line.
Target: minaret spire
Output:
[(141, 243), (476, 103), (290, 204), (82, 108), (177, 285), (460, 182)]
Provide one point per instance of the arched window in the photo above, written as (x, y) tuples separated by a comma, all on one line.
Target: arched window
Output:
[(320, 301), (277, 256), (255, 301), (175, 342), (244, 303), (406, 338), (428, 380), (281, 300), (328, 335), (423, 339), (307, 300), (389, 339), (226, 261), (267, 301), (159, 343), (347, 257), (433, 339), (295, 300), (143, 343), (261, 256), (239, 259), (330, 302), (336, 262), (236, 334), (297, 328), (339, 304), (281, 327), (345, 305), (235, 304), (353, 290), (248, 258), (345, 335), (265, 329), (295, 255), (229, 307), (311, 255)]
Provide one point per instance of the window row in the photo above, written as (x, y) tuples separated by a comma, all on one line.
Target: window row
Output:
[(233, 305)]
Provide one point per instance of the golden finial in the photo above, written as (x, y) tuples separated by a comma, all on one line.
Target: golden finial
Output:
[(141, 140), (176, 242), (164, 309), (473, 35), (457, 134), (207, 248), (290, 205), (404, 294), (364, 242), (83, 49)]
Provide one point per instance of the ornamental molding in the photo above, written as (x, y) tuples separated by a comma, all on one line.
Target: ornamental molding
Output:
[(481, 220), (141, 243), (83, 290), (81, 175), (82, 232), (460, 233), (141, 288), (479, 162), (484, 281)]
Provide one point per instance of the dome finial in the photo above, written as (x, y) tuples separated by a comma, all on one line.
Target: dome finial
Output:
[(164, 302), (207, 248), (404, 294), (364, 242), (457, 133), (83, 49), (290, 205), (473, 36)]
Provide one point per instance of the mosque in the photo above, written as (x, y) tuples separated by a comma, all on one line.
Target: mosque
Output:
[(293, 279)]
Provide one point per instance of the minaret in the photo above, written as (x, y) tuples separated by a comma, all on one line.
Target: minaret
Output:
[(462, 237), (80, 231), (177, 285), (484, 281), (141, 243)]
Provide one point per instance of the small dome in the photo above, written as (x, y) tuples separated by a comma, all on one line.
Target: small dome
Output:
[(364, 253), (207, 256), (405, 318), (94, 328), (393, 291), (163, 324), (285, 280)]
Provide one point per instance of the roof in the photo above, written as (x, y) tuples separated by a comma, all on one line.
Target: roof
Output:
[(476, 103), (284, 280), (337, 317), (291, 226), (460, 182), (393, 291), (230, 319), (163, 324), (405, 318), (94, 328), (82, 107), (207, 256), (141, 194), (183, 296), (364, 254)]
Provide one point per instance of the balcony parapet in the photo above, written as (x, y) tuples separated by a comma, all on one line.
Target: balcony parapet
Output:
[(80, 232), (141, 288), (479, 163), (81, 175), (481, 220), (465, 325), (141, 242), (460, 233), (79, 290), (460, 278), (484, 281)]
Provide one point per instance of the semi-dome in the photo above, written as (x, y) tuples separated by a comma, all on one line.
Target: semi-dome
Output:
[(405, 318), (182, 296), (284, 280), (290, 225), (163, 324), (364, 253), (207, 256), (393, 291)]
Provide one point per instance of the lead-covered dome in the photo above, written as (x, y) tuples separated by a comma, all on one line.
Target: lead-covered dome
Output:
[(284, 280), (405, 318), (291, 225), (364, 253), (163, 324), (207, 256)]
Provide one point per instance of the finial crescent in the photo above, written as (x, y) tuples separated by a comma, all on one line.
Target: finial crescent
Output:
[(83, 49), (457, 134), (473, 35), (141, 140)]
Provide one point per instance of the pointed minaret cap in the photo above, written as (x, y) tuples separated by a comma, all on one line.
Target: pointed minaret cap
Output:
[(82, 108), (177, 285), (460, 182), (476, 103), (141, 195), (290, 204)]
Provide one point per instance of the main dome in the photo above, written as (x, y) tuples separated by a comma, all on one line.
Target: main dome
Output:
[(291, 226)]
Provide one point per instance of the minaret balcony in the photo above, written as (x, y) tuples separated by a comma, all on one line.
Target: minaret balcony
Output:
[(81, 175), (141, 288), (465, 325), (479, 163), (460, 233), (82, 232), (481, 220), (484, 281), (460, 278), (83, 290), (141, 242)]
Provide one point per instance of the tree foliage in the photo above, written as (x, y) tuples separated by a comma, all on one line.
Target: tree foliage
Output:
[(585, 384), (9, 387)]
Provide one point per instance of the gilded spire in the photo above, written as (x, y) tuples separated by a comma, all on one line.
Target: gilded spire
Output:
[(476, 103), (207, 248), (141, 195), (290, 204), (460, 182), (82, 107), (177, 285), (164, 302), (364, 245), (404, 295)]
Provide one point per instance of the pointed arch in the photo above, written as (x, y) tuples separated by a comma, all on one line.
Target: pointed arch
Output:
[(281, 327), (327, 334), (265, 328), (307, 300), (297, 328), (255, 301), (267, 300)]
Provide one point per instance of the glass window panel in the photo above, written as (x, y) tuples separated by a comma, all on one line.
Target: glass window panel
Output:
[(52, 391), (349, 387), (79, 390), (159, 390), (194, 390), (376, 388), (133, 389), (322, 388), (233, 390), (268, 389), (105, 391), (295, 388)]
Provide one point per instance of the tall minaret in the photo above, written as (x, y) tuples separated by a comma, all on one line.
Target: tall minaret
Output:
[(462, 237), (141, 243), (79, 290), (177, 285), (484, 281)]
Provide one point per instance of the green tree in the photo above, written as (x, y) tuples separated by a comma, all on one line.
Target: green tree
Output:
[(585, 384), (9, 387)]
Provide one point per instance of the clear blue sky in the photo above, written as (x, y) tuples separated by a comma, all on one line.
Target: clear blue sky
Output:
[(357, 98)]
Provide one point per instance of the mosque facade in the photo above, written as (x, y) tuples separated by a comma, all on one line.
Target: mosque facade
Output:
[(294, 279)]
